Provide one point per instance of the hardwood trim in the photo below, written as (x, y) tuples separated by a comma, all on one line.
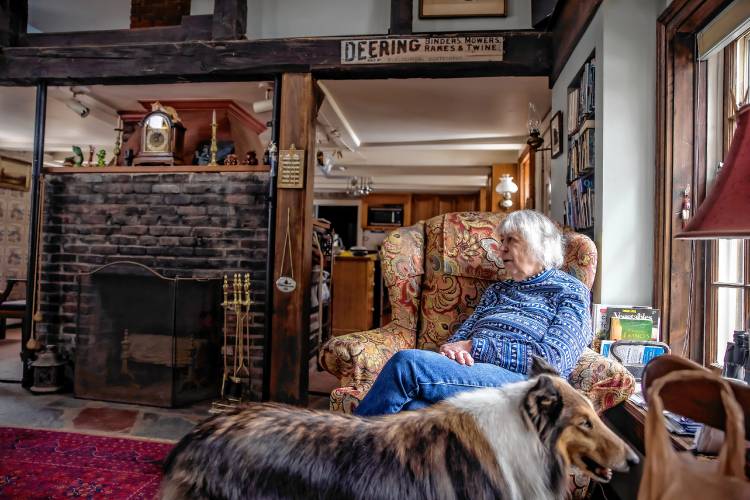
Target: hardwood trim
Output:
[(680, 160), (229, 20), (13, 20), (156, 169), (543, 12), (192, 28), (401, 17), (290, 320), (231, 106), (568, 28), (527, 53)]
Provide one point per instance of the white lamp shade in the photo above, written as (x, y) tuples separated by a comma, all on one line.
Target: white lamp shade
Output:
[(506, 185)]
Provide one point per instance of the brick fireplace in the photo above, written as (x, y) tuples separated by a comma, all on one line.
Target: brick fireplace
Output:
[(186, 225)]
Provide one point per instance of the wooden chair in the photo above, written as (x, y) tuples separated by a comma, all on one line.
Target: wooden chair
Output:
[(11, 308)]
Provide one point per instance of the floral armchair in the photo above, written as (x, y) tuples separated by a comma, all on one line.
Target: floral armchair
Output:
[(436, 271)]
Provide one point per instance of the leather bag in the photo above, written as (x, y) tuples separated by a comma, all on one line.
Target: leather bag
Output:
[(669, 475)]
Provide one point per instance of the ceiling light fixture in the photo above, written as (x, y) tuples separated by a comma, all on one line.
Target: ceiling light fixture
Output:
[(266, 104), (75, 104)]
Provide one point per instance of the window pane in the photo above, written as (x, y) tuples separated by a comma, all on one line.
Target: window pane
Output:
[(728, 318), (731, 259)]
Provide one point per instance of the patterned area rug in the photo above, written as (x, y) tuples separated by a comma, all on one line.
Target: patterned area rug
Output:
[(48, 464)]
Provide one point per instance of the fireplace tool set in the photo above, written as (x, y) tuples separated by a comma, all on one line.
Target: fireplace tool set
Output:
[(236, 378)]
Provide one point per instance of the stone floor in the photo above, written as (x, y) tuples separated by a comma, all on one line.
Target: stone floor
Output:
[(20, 408)]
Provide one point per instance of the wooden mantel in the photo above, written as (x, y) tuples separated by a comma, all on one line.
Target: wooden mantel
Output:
[(156, 169)]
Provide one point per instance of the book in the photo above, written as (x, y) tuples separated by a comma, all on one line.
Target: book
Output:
[(633, 313), (631, 355), (630, 329)]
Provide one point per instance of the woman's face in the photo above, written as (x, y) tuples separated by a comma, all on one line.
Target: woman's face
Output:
[(519, 261)]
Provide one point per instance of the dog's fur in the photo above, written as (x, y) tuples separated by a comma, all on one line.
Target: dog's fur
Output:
[(517, 442)]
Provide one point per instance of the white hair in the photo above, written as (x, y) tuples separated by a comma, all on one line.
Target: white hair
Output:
[(544, 239)]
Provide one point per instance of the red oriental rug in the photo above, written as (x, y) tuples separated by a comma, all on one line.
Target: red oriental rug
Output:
[(48, 464)]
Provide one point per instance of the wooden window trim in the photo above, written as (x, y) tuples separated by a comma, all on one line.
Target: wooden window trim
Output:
[(680, 266)]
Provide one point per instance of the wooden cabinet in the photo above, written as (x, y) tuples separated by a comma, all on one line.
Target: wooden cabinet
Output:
[(354, 300), (425, 206)]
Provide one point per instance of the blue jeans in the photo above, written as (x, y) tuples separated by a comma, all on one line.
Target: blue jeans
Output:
[(415, 378)]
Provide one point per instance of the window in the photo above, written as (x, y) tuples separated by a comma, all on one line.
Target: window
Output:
[(729, 278)]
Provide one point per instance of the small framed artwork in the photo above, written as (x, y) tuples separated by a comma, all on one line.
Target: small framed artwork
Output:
[(555, 131), (462, 8), (14, 174)]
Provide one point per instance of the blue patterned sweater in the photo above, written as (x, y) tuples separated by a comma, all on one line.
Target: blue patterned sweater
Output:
[(546, 315)]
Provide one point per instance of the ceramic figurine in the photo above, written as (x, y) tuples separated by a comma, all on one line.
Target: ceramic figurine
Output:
[(100, 161), (78, 157), (129, 155), (251, 158), (231, 159), (90, 163)]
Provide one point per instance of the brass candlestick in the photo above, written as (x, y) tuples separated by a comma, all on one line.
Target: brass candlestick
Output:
[(214, 145)]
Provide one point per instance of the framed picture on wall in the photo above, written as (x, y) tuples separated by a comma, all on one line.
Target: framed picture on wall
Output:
[(14, 174), (555, 131), (462, 8)]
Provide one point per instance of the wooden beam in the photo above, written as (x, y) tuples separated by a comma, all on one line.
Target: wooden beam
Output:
[(293, 247), (401, 17), (542, 12), (230, 19), (192, 28), (568, 28), (13, 21), (526, 54)]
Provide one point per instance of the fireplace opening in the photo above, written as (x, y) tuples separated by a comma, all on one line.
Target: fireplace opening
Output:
[(145, 338)]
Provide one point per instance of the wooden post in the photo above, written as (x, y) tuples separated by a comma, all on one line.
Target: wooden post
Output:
[(290, 320), (401, 17), (230, 19), (13, 20)]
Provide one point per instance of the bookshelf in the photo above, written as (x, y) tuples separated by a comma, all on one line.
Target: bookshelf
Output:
[(581, 127)]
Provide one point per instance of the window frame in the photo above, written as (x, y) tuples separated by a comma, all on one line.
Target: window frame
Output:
[(736, 76)]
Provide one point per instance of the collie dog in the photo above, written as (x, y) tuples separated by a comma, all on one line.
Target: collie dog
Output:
[(515, 442)]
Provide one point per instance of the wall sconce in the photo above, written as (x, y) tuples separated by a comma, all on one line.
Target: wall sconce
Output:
[(535, 140), (505, 188)]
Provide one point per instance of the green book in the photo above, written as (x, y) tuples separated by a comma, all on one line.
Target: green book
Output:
[(631, 329)]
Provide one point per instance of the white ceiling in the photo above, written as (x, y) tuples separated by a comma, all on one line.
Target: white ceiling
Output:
[(439, 135), (437, 129), (65, 128)]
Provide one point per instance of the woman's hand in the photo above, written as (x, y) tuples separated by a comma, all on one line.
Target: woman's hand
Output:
[(458, 351)]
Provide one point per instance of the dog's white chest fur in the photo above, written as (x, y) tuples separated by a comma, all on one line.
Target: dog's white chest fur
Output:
[(518, 450)]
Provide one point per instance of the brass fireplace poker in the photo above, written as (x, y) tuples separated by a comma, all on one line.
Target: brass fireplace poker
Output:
[(235, 379)]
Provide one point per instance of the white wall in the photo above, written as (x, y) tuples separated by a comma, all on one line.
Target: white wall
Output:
[(623, 34), (628, 70)]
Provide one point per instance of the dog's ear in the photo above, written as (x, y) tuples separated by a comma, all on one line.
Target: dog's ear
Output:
[(543, 404), (540, 367)]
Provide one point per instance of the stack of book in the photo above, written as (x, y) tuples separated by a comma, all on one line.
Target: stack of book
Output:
[(581, 153), (580, 204), (581, 98), (640, 323)]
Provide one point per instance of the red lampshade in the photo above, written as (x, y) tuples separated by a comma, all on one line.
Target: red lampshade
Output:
[(725, 213)]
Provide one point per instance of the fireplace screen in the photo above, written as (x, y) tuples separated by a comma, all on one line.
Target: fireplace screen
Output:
[(144, 338)]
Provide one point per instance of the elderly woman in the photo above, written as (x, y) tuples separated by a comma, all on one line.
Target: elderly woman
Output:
[(539, 310)]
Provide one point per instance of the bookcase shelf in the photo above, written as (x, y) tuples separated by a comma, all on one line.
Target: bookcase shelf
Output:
[(581, 166)]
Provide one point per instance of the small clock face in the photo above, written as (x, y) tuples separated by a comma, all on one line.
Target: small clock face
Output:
[(157, 140)]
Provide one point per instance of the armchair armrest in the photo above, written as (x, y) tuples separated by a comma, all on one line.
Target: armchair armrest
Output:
[(357, 358), (10, 283), (605, 381)]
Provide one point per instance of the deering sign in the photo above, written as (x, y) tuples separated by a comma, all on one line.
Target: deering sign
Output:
[(422, 49)]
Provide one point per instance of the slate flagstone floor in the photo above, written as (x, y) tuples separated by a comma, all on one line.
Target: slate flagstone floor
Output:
[(20, 408)]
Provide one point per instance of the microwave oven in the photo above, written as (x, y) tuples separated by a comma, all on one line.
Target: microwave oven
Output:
[(385, 215)]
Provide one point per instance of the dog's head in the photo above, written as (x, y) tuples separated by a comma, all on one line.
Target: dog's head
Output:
[(567, 423)]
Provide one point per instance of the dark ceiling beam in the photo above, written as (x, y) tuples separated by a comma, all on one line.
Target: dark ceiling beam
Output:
[(13, 20), (526, 54), (569, 25), (230, 19), (542, 12), (401, 17)]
